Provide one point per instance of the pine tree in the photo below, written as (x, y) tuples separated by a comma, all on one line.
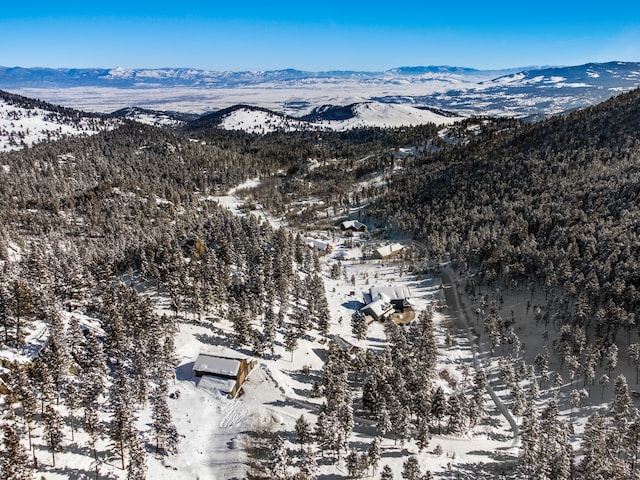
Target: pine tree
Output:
[(373, 454), (354, 465), (411, 468), (21, 305), (359, 325), (456, 415), (439, 406), (303, 431), (164, 432), (41, 377), (422, 433), (56, 354), (93, 369), (121, 425), (621, 402), (91, 425), (6, 322), (53, 435), (530, 441), (137, 466), (387, 473), (279, 461), (595, 449), (308, 465), (16, 464), (290, 340), (22, 387), (71, 398)]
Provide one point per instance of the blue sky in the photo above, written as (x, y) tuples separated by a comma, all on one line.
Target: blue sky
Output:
[(326, 35)]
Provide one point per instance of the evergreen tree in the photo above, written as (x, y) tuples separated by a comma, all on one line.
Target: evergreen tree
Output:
[(303, 431), (279, 461), (359, 325), (53, 435), (411, 468), (22, 387), (121, 425), (530, 441), (621, 402), (596, 457), (439, 406), (137, 466), (91, 425), (355, 467), (422, 433), (21, 305), (6, 322), (387, 473), (56, 354), (164, 432), (290, 340), (308, 465), (71, 398), (16, 464), (373, 454)]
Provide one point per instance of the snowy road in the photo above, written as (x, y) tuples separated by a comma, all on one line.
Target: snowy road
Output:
[(460, 315)]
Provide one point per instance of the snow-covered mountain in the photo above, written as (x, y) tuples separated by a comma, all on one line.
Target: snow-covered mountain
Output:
[(24, 122), (534, 93), (365, 114), (154, 117)]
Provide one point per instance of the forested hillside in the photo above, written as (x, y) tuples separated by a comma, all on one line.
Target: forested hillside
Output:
[(541, 218), (556, 202)]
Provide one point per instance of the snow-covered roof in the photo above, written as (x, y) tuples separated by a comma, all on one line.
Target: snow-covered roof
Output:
[(216, 365), (388, 250), (224, 385), (377, 308), (352, 225), (319, 244), (390, 293)]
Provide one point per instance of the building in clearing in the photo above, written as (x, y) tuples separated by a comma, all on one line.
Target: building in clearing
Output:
[(318, 245), (378, 309), (393, 302), (353, 225), (388, 251), (226, 374)]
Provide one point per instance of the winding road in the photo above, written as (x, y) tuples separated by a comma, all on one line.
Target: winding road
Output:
[(462, 318)]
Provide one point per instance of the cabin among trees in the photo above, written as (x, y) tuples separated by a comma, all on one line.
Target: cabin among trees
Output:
[(389, 302), (353, 226), (388, 251), (226, 374), (319, 245)]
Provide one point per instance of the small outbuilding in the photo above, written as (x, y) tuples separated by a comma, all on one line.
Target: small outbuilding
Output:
[(226, 374)]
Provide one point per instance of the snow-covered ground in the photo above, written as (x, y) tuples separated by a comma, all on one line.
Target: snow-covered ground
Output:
[(276, 393), (25, 126), (214, 429)]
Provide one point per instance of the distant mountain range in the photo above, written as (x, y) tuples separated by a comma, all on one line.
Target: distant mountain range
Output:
[(521, 92), (18, 77), (286, 100), (535, 93)]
